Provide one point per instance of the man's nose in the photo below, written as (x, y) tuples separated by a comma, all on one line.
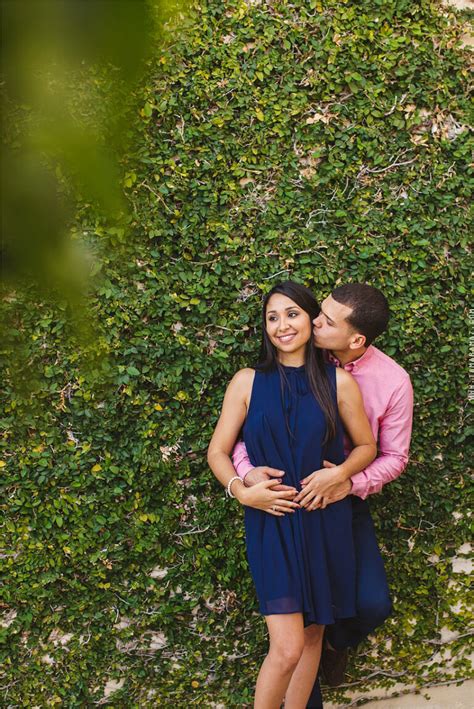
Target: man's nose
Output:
[(317, 321)]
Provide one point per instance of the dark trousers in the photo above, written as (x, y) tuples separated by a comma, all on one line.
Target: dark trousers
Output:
[(373, 599)]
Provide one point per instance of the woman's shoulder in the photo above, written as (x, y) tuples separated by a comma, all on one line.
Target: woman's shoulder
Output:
[(243, 378), (242, 383), (346, 382)]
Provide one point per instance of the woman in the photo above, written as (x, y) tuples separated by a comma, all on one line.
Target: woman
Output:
[(301, 557)]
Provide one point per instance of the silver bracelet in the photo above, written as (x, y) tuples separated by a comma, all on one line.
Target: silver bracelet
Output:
[(228, 490)]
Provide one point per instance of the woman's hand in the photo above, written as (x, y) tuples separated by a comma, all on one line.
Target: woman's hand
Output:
[(262, 497), (321, 484), (315, 495)]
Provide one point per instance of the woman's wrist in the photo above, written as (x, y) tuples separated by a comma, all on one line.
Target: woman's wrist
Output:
[(239, 491), (235, 487), (343, 473)]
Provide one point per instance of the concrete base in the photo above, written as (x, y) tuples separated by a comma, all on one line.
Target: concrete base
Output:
[(450, 696)]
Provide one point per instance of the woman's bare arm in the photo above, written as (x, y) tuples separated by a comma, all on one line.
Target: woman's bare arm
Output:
[(234, 411), (356, 423)]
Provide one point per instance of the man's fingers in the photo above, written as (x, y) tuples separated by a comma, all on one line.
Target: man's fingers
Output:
[(328, 464), (270, 483), (273, 472)]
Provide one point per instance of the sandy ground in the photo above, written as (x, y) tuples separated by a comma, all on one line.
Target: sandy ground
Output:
[(447, 697)]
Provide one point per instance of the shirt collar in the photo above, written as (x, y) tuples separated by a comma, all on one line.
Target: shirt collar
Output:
[(356, 364)]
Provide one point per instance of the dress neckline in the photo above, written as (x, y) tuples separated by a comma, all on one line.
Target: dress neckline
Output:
[(295, 369)]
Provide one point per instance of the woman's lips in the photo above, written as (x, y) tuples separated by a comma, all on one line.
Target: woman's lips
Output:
[(286, 338)]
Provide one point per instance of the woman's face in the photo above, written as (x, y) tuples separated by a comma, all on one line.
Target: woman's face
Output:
[(288, 326)]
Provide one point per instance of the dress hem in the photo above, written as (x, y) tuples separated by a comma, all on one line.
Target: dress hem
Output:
[(333, 619)]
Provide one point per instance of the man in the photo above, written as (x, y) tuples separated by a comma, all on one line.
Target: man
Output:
[(350, 320)]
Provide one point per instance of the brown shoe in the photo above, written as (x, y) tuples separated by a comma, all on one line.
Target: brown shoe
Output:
[(334, 663)]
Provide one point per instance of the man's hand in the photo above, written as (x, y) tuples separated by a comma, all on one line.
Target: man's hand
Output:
[(323, 487), (263, 472)]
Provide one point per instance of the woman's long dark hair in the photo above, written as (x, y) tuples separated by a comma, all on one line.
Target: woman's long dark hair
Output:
[(314, 358)]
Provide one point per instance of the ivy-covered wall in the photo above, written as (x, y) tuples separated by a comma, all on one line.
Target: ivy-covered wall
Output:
[(324, 141)]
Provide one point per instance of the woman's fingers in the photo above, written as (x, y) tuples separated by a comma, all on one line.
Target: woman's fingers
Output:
[(281, 491), (311, 502), (275, 484), (286, 494), (286, 503), (314, 504), (283, 506), (305, 501)]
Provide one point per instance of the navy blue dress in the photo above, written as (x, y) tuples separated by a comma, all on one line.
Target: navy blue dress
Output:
[(304, 561)]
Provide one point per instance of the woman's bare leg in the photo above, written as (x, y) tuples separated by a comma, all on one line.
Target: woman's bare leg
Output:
[(287, 641), (303, 678)]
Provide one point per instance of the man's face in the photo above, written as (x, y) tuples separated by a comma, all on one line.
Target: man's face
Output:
[(331, 330)]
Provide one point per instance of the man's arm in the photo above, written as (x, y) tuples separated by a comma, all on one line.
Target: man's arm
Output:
[(393, 444), (252, 475), (240, 460)]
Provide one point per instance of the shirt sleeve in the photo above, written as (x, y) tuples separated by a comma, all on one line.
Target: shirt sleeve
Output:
[(241, 460), (393, 444)]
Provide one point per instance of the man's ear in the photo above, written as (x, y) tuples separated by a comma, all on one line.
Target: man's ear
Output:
[(357, 340)]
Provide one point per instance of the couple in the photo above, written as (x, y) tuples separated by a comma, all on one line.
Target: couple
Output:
[(310, 540)]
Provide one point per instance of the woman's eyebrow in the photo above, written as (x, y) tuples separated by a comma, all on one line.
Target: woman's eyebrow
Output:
[(291, 307)]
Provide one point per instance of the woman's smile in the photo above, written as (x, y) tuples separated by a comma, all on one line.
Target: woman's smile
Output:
[(287, 338)]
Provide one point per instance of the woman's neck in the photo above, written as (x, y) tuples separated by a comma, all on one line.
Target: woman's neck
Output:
[(288, 360)]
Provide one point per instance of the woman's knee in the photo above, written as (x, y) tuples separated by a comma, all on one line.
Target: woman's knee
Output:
[(286, 654), (286, 640)]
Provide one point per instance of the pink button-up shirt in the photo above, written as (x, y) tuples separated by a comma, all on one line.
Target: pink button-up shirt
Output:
[(388, 401)]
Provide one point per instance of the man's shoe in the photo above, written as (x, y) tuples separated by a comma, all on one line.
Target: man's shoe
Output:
[(334, 663)]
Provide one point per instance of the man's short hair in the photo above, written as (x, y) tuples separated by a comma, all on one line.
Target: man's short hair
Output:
[(370, 312)]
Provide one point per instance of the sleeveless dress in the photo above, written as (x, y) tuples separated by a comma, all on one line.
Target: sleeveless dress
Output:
[(304, 561)]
